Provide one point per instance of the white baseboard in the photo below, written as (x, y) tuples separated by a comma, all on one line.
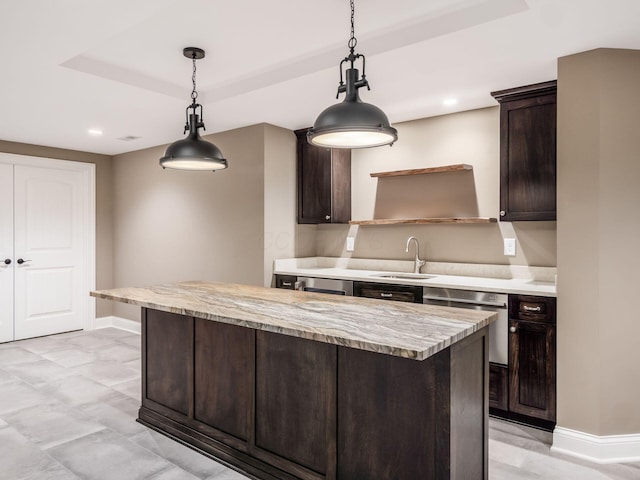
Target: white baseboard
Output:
[(598, 449), (118, 322)]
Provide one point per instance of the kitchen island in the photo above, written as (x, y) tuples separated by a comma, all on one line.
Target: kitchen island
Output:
[(289, 385)]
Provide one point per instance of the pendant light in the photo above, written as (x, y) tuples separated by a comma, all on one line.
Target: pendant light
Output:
[(352, 123), (193, 153)]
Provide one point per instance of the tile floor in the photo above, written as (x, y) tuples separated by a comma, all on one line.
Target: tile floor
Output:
[(68, 405)]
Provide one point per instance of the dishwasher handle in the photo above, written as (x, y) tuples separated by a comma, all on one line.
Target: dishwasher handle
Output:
[(481, 303)]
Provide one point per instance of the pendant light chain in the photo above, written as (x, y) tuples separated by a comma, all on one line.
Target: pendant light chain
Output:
[(194, 93), (353, 41)]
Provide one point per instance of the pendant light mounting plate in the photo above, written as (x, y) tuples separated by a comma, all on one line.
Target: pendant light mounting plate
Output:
[(193, 53)]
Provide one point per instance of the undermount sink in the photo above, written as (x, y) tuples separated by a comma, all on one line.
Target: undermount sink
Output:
[(405, 276)]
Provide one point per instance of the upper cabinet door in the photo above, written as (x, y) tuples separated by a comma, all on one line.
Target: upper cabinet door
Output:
[(324, 183), (528, 152)]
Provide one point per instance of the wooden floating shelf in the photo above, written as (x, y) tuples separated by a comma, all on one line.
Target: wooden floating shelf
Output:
[(420, 171), (424, 221)]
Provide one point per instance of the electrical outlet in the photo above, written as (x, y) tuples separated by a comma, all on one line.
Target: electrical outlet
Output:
[(510, 247), (351, 244)]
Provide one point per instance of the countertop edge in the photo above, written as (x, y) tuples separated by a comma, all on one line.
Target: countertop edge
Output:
[(521, 286), (367, 345)]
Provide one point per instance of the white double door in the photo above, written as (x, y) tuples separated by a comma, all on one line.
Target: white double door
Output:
[(45, 246)]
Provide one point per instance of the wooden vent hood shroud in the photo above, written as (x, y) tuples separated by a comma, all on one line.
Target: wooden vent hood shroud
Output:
[(416, 196)]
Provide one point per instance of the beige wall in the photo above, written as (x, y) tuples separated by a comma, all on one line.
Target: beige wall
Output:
[(598, 232), (104, 207), (470, 137), (225, 226), (279, 197)]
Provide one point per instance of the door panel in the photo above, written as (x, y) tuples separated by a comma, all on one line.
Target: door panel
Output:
[(295, 400), (224, 376), (48, 236), (168, 351), (6, 252)]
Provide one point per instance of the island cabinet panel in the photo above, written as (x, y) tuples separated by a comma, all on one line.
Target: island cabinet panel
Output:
[(168, 358), (433, 426), (296, 403), (385, 432), (224, 359), (469, 401), (279, 407)]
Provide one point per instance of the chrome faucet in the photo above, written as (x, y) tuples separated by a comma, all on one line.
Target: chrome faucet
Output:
[(417, 262)]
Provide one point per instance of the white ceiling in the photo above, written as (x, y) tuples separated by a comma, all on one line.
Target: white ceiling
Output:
[(117, 65)]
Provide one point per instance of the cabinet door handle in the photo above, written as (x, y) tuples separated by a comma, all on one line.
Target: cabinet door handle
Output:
[(7, 261), (21, 261), (512, 329), (327, 217), (502, 213)]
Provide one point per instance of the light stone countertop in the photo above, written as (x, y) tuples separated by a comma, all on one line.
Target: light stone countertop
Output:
[(486, 278), (401, 329)]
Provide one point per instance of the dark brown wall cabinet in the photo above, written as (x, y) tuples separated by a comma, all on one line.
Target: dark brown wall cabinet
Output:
[(528, 152), (324, 183)]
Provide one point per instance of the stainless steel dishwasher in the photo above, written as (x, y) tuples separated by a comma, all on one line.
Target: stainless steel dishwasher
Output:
[(493, 302), (325, 285)]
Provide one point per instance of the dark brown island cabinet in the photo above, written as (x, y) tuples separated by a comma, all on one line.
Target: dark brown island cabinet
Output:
[(282, 407), (525, 390), (286, 385), (528, 152), (324, 182)]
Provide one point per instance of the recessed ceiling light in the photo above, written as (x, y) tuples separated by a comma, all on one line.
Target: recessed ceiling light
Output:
[(448, 102), (96, 132)]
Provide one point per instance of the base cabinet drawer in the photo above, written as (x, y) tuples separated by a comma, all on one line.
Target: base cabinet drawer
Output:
[(286, 281), (382, 291)]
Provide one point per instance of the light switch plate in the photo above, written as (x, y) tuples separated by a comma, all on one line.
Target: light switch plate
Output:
[(510, 247), (351, 244)]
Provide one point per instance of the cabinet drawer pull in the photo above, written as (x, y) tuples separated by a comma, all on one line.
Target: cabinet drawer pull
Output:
[(535, 308), (528, 308), (386, 295), (286, 284)]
